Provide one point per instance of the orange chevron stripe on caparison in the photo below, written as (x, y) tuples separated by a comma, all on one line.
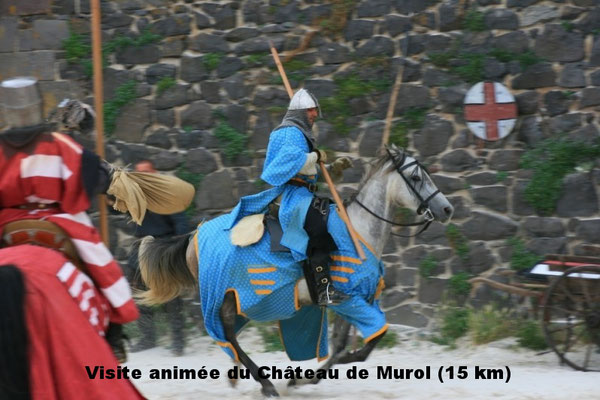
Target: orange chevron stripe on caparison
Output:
[(342, 269), (262, 282), (261, 270), (351, 260), (263, 291), (339, 279)]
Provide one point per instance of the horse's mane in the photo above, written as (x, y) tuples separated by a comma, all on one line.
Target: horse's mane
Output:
[(377, 164)]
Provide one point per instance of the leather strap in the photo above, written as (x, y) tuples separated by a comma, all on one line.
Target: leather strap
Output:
[(41, 233), (312, 187)]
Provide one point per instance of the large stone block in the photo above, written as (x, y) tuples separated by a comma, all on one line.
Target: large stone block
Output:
[(433, 137), (262, 129), (133, 55), (519, 205), (8, 34), (375, 47), (514, 42), (396, 24), (537, 76), (193, 68), (557, 44), (431, 290), (132, 121), (578, 198), (434, 235), (25, 7), (216, 192), (407, 315), (543, 227), (358, 29), (458, 160), (172, 97), (371, 139), (505, 160), (197, 115), (547, 245), (448, 184), (39, 64), (49, 34), (493, 197), (535, 14), (334, 53), (178, 24), (167, 160), (200, 161), (156, 72), (489, 226), (207, 43), (572, 76), (498, 18), (527, 102)]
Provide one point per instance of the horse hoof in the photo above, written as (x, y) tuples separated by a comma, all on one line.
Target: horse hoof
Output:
[(291, 382), (233, 382), (269, 392)]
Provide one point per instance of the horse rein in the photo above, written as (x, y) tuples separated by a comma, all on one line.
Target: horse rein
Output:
[(423, 208)]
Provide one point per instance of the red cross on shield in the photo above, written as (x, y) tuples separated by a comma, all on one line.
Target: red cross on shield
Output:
[(490, 110)]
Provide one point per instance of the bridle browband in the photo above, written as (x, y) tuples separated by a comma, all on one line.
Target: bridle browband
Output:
[(423, 208)]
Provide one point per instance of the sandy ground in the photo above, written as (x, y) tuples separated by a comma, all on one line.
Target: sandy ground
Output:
[(532, 376)]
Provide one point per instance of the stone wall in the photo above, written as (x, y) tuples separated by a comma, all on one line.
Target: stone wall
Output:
[(217, 54)]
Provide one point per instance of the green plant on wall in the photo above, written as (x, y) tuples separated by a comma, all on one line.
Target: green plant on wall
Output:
[(211, 60), (551, 160), (521, 258), (458, 241), (336, 109), (195, 179), (78, 49), (427, 266), (474, 21), (459, 284), (232, 141), (112, 108), (341, 11), (165, 83), (470, 66)]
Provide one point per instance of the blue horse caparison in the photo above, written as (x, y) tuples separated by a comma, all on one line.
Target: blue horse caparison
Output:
[(242, 283)]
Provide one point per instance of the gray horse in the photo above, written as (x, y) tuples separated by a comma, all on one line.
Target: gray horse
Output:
[(238, 284)]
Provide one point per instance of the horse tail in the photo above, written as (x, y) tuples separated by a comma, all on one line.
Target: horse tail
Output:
[(164, 269), (14, 365)]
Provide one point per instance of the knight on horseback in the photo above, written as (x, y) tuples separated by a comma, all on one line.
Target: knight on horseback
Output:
[(47, 182), (291, 162)]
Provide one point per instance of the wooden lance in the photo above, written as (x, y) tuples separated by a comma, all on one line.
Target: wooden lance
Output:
[(99, 106), (336, 196)]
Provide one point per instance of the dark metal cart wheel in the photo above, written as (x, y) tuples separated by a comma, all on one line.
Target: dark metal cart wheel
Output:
[(571, 318)]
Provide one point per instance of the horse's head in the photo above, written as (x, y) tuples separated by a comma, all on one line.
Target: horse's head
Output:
[(411, 186)]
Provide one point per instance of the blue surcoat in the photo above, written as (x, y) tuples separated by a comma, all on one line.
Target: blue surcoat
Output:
[(286, 154)]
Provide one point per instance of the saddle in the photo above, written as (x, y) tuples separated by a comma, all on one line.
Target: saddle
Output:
[(41, 233)]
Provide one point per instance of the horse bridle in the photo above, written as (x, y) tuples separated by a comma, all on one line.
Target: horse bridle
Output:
[(423, 208)]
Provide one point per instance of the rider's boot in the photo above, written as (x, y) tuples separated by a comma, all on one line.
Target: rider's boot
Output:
[(326, 294)]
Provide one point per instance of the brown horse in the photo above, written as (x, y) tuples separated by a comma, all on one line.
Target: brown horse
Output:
[(170, 267)]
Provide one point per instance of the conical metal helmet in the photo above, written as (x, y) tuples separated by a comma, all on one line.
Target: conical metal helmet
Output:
[(303, 100), (20, 102)]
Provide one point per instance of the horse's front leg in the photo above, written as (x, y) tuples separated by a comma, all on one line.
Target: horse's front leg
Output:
[(228, 312)]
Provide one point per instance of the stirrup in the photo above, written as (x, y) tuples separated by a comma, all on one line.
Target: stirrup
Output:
[(331, 297)]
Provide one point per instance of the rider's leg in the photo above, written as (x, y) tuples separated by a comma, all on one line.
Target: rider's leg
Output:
[(320, 244)]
